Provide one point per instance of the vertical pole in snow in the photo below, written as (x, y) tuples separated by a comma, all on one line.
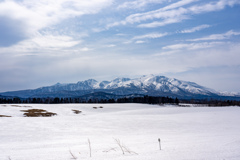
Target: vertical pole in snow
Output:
[(90, 149), (159, 140)]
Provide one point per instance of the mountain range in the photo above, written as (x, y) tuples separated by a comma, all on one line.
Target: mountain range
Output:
[(145, 85)]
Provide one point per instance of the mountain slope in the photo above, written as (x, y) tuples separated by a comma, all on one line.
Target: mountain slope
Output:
[(146, 85)]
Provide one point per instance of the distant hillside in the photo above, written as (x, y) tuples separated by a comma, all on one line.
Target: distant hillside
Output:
[(145, 85)]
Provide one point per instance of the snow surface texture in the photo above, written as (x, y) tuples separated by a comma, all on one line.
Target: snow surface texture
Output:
[(196, 133)]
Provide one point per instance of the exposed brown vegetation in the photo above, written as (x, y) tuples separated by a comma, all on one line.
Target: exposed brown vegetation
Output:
[(15, 106), (37, 113), (4, 116), (19, 106), (95, 107), (27, 106), (76, 111), (101, 107)]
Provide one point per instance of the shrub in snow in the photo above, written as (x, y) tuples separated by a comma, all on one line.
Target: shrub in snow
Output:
[(76, 111), (37, 113)]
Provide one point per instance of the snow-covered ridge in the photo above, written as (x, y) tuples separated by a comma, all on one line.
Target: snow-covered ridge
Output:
[(144, 85), (230, 93), (150, 82)]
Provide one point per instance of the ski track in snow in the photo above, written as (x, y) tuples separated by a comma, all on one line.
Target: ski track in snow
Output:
[(186, 133)]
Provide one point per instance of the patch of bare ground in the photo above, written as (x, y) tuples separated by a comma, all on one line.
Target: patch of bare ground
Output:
[(4, 116), (97, 107), (20, 106), (37, 113), (76, 111)]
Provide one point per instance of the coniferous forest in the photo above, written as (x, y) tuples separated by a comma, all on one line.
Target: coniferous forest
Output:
[(144, 99)]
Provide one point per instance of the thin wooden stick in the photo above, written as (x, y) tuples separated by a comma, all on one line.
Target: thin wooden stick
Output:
[(73, 157), (159, 140), (90, 149)]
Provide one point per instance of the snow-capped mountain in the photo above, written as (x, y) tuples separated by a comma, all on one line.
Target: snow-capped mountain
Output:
[(145, 85)]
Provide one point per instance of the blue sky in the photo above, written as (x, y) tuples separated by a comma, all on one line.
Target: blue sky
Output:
[(44, 42)]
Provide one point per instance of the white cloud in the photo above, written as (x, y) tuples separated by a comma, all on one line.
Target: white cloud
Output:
[(97, 29), (85, 49), (194, 29), (38, 22), (162, 13), (165, 53), (162, 23), (150, 36), (212, 6), (50, 41), (140, 42), (138, 3), (223, 36), (157, 14), (110, 45), (179, 4), (140, 39), (174, 13), (43, 13), (121, 34), (192, 46), (43, 44), (127, 42)]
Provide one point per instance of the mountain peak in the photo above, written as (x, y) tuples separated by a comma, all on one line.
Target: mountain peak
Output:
[(121, 79), (57, 84), (91, 81), (147, 85)]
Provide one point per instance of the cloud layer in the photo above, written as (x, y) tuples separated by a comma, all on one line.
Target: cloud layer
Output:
[(44, 42)]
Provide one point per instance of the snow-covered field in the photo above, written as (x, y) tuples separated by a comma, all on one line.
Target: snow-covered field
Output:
[(186, 133)]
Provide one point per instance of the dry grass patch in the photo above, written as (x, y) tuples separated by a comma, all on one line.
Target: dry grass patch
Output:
[(37, 113), (123, 148), (4, 116), (20, 106), (15, 106), (27, 106), (97, 107), (76, 111)]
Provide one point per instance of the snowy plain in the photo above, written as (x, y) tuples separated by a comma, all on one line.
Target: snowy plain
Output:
[(186, 133)]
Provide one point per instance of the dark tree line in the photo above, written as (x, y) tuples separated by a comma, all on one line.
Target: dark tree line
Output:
[(145, 99), (149, 100), (212, 102)]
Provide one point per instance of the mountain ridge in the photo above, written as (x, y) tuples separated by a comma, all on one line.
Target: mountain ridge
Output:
[(146, 85)]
